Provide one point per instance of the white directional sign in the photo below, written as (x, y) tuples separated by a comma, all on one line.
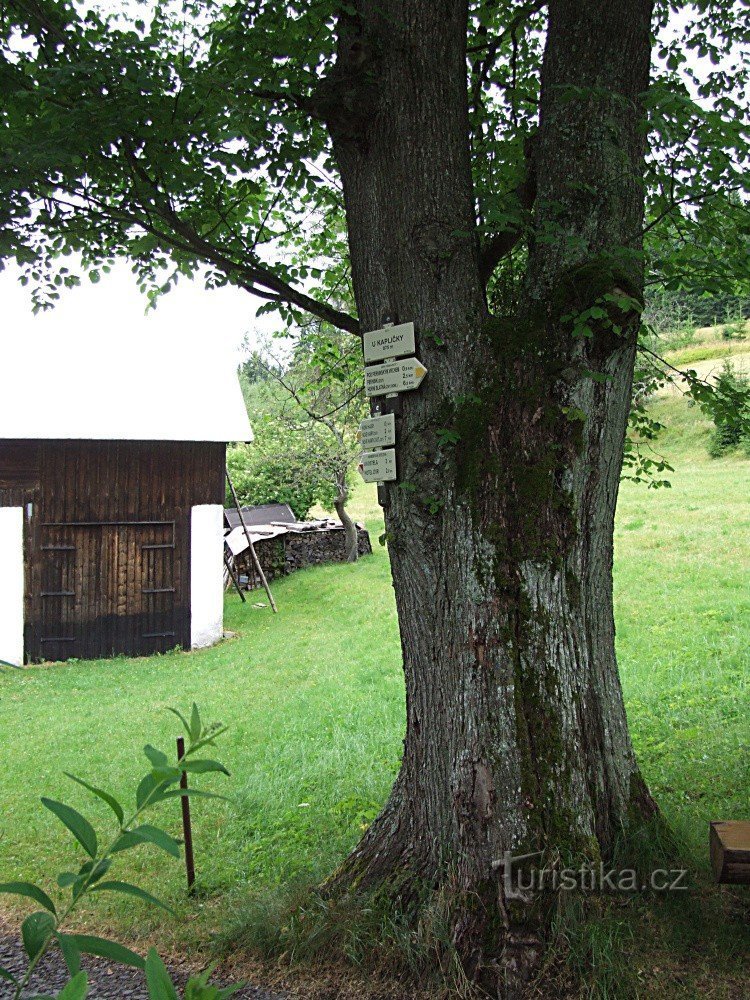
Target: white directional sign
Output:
[(390, 342), (378, 466), (378, 432), (394, 376)]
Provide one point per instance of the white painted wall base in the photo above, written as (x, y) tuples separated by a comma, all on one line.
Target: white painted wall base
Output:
[(11, 585), (206, 575)]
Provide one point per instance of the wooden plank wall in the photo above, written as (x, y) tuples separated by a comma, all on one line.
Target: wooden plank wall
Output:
[(108, 544), (20, 471)]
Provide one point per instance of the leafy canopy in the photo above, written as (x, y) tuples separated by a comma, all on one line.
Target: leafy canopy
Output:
[(185, 136)]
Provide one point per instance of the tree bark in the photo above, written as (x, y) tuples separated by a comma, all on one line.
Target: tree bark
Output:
[(351, 535), (501, 543)]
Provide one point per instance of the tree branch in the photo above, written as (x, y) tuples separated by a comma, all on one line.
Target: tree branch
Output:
[(481, 68), (253, 270), (500, 245), (513, 25)]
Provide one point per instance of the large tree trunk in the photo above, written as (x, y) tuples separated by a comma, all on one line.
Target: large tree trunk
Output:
[(516, 734)]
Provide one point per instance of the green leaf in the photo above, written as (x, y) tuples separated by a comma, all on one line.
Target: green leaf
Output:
[(76, 989), (166, 775), (111, 801), (30, 890), (78, 825), (153, 835), (36, 929), (195, 724), (207, 740), (160, 985), (7, 975), (125, 841), (92, 871), (146, 789), (91, 945), (71, 953), (157, 757), (132, 890), (204, 766), (181, 717)]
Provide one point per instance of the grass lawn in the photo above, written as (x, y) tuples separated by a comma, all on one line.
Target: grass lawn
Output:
[(314, 699)]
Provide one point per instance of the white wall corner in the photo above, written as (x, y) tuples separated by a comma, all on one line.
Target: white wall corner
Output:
[(206, 575), (11, 585)]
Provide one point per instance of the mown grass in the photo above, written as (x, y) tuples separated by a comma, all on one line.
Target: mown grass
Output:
[(706, 352), (314, 701), (692, 345)]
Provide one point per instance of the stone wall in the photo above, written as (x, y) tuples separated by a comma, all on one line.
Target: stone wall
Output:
[(284, 554)]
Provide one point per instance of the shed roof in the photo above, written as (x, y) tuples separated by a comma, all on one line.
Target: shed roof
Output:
[(265, 513), (129, 395)]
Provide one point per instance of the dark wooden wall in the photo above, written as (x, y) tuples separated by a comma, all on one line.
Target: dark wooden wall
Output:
[(20, 472), (107, 540)]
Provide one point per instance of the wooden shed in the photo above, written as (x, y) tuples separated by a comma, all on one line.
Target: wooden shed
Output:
[(111, 516)]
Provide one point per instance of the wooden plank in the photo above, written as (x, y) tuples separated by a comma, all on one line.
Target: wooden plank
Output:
[(729, 845)]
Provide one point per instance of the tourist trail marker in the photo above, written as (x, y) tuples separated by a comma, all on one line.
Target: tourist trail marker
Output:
[(378, 432), (395, 370), (378, 466), (389, 342), (394, 376)]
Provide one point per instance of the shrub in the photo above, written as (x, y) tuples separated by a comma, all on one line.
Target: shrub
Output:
[(281, 466), (732, 417)]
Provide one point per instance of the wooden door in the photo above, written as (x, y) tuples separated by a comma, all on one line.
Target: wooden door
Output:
[(105, 589)]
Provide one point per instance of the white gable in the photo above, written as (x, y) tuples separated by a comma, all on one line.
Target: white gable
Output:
[(120, 389)]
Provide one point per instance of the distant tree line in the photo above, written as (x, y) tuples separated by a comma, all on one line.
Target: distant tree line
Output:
[(667, 311)]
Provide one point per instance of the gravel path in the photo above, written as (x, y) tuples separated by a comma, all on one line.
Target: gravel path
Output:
[(106, 981)]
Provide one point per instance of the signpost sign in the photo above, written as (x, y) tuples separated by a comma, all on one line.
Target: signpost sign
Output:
[(387, 377), (394, 376), (389, 342), (378, 466), (378, 432)]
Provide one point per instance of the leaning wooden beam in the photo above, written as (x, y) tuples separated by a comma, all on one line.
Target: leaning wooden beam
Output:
[(253, 553), (233, 575)]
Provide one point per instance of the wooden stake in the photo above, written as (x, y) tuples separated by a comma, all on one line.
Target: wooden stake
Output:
[(187, 828), (253, 553)]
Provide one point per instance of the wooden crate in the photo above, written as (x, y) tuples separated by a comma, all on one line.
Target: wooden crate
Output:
[(730, 851)]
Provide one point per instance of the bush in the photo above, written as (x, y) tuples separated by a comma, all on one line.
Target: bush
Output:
[(733, 331), (732, 418), (281, 466)]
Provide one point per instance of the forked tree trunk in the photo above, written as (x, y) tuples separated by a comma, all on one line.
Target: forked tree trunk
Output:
[(501, 546), (351, 535)]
